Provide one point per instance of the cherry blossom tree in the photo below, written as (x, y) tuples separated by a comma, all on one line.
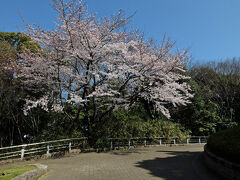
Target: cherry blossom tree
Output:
[(96, 64)]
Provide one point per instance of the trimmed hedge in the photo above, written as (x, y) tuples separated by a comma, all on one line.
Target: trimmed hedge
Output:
[(226, 144)]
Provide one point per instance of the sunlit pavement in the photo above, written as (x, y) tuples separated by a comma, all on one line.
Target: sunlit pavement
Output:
[(145, 163), (162, 162)]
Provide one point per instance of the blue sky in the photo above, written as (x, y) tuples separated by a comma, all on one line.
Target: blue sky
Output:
[(209, 28)]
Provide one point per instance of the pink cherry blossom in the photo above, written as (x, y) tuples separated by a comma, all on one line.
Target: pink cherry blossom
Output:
[(93, 60)]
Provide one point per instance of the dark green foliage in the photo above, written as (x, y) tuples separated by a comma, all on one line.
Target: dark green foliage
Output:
[(19, 41), (226, 144), (44, 125), (201, 116), (215, 105), (127, 124), (220, 83), (12, 121)]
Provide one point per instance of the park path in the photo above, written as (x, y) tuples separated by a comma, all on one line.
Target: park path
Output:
[(149, 163)]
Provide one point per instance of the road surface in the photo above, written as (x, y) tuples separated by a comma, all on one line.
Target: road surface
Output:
[(149, 163)]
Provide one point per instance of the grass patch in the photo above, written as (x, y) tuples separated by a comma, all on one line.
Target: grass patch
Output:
[(226, 144), (9, 173)]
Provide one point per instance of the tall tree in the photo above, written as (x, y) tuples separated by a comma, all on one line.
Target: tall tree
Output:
[(11, 93), (215, 105), (98, 65), (220, 81), (201, 116)]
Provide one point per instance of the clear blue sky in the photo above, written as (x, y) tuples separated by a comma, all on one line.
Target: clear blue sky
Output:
[(210, 28)]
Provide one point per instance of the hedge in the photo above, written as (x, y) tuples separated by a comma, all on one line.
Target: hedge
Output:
[(226, 144)]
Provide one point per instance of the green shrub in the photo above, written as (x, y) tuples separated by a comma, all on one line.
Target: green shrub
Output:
[(101, 143), (156, 128), (226, 144)]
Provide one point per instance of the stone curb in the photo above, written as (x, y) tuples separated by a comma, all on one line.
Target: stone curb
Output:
[(41, 169), (222, 167)]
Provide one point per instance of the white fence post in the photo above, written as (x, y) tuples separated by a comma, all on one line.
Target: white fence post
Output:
[(22, 152), (199, 140), (160, 141), (48, 149), (187, 141), (174, 141), (129, 143), (145, 142), (70, 146)]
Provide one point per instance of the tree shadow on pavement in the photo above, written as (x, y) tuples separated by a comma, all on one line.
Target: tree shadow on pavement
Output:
[(175, 166)]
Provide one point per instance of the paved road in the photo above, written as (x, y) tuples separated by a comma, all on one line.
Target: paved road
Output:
[(150, 163), (162, 163)]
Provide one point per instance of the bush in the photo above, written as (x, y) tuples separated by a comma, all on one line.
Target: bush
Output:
[(226, 144), (154, 128)]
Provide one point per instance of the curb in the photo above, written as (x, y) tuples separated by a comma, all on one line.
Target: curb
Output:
[(224, 168), (41, 169)]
